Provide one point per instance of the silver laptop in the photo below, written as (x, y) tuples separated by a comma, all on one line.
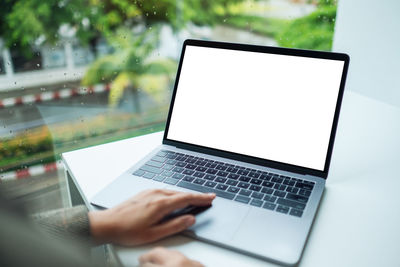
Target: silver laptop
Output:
[(255, 125)]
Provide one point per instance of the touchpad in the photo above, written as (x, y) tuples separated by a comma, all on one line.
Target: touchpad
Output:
[(220, 222)]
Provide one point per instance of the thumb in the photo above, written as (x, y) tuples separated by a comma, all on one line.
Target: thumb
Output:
[(172, 226)]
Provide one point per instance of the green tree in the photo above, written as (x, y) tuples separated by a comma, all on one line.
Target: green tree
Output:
[(130, 63), (314, 31)]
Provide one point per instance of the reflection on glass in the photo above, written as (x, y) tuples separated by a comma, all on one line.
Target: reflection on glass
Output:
[(89, 72)]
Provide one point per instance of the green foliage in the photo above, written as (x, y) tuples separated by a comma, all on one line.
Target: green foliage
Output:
[(314, 31), (22, 22), (265, 26)]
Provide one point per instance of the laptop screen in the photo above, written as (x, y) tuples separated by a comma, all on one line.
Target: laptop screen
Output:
[(269, 106)]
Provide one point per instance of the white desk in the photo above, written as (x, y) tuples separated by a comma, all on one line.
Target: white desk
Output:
[(359, 217)]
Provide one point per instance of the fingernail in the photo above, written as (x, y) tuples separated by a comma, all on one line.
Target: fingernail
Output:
[(189, 221), (211, 194)]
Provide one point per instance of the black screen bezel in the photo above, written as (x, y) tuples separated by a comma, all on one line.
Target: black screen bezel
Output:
[(250, 159)]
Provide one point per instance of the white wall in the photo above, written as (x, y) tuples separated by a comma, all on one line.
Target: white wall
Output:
[(369, 31)]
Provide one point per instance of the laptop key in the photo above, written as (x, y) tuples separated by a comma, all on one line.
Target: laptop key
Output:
[(298, 198), (199, 174), (170, 181), (231, 182), (244, 178), (245, 192), (210, 165), (253, 175), (255, 187), (190, 166), (277, 180), (268, 184), (188, 172), (154, 163), (139, 173), (256, 181), (304, 186), (159, 159), (168, 173), (188, 178), (267, 190), (291, 203), (210, 184), (178, 169), (304, 192), (161, 154), (243, 172), (177, 176), (256, 202), (203, 189), (297, 213), (148, 175), (159, 178), (167, 167), (199, 181), (210, 177), (270, 198), (282, 209), (201, 169), (220, 179), (269, 206), (279, 193), (233, 189), (181, 164), (222, 187), (257, 195), (222, 173), (148, 168), (221, 167), (211, 171), (233, 176), (242, 199), (232, 169), (243, 185)]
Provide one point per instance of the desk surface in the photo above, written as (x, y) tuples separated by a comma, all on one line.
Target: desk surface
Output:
[(359, 216)]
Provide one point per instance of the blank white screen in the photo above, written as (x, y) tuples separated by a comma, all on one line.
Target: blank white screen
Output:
[(263, 105)]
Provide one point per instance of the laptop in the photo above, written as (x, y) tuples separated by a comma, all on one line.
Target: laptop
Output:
[(255, 125)]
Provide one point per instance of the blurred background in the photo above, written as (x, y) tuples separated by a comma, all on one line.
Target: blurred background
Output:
[(78, 73)]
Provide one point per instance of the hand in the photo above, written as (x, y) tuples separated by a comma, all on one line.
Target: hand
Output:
[(161, 257), (137, 220)]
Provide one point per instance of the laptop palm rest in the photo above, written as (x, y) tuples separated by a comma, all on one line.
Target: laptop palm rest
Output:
[(220, 222)]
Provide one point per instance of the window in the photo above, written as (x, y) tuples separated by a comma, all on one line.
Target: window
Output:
[(80, 73)]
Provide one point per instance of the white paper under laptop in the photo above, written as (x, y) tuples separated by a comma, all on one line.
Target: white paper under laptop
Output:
[(256, 126)]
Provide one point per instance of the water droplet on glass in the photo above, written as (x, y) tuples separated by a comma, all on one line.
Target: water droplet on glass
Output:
[(38, 65), (8, 63)]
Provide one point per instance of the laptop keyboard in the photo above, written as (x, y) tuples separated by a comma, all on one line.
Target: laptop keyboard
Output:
[(249, 186)]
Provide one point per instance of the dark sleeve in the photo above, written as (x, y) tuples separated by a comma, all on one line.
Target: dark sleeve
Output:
[(23, 243), (67, 222)]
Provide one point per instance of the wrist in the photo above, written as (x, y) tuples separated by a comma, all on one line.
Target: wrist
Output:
[(99, 226)]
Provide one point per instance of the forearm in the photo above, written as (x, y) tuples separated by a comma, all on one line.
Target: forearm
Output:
[(68, 222)]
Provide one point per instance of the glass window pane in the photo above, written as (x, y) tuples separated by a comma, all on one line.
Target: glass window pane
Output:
[(92, 72)]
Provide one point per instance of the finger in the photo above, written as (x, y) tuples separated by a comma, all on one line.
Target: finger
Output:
[(171, 227), (157, 255), (182, 200)]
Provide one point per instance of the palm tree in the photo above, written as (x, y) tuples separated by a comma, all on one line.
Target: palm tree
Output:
[(132, 66)]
